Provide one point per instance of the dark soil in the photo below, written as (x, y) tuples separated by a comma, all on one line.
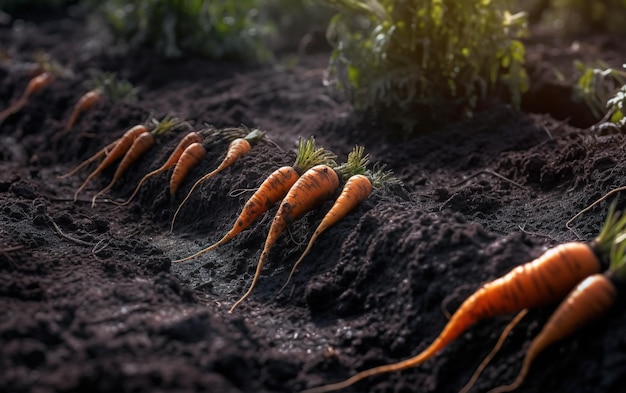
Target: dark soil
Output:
[(89, 299)]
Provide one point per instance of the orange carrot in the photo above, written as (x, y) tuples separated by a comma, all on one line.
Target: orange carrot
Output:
[(140, 145), (121, 147), (356, 189), (545, 280), (192, 137), (191, 156), (36, 84), (315, 186), (84, 103), (273, 189), (591, 299), (236, 149)]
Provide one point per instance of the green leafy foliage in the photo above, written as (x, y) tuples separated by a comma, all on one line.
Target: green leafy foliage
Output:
[(426, 61), (217, 29), (596, 84), (111, 86)]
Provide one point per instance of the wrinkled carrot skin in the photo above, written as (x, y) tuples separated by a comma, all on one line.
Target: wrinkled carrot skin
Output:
[(140, 146), (591, 299), (121, 147), (357, 189), (236, 149), (192, 137), (36, 84), (315, 186), (273, 189), (190, 157), (85, 102), (546, 280)]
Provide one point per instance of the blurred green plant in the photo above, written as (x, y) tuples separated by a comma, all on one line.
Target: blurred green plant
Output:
[(111, 86), (596, 84), (425, 62), (217, 29)]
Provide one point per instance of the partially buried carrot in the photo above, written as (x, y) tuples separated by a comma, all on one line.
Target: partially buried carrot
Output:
[(355, 190), (35, 85), (192, 137), (120, 148), (236, 149), (545, 280), (315, 186), (591, 299), (190, 157), (84, 103), (272, 189), (140, 145)]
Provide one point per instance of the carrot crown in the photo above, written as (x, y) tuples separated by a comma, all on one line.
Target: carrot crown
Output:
[(381, 177), (309, 155), (254, 135), (356, 163), (167, 124), (618, 257), (112, 87), (213, 135)]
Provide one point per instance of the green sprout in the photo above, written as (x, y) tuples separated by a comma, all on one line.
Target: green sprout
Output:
[(425, 61), (308, 155), (111, 86)]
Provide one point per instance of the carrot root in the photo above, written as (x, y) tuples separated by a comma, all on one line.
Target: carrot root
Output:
[(592, 298), (481, 367)]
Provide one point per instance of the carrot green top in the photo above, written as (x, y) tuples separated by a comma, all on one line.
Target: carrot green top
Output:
[(167, 124), (617, 237), (357, 163), (114, 88), (309, 155)]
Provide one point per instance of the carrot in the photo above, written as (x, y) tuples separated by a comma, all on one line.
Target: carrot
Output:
[(192, 137), (35, 85), (140, 145), (121, 147), (356, 189), (191, 156), (84, 103), (542, 281), (273, 189), (315, 186), (591, 299), (236, 149)]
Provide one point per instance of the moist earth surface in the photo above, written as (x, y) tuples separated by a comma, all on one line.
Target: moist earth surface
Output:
[(90, 299)]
